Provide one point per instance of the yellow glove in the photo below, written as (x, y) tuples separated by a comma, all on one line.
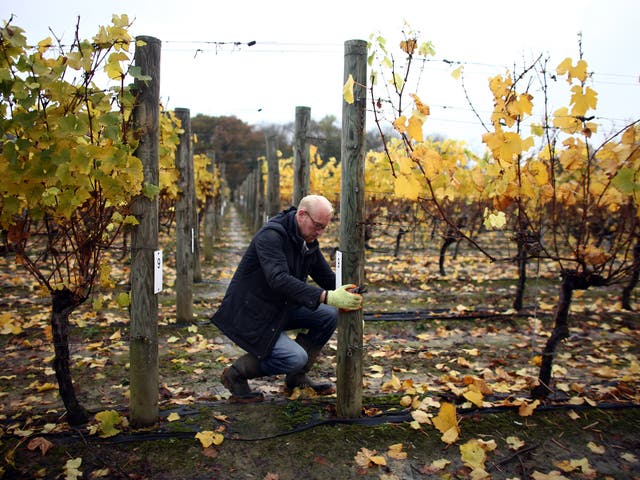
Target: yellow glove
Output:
[(344, 299)]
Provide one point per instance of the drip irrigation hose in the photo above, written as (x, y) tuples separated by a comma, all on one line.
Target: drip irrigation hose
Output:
[(372, 421)]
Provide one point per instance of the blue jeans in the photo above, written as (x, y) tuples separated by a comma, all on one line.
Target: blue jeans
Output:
[(287, 355)]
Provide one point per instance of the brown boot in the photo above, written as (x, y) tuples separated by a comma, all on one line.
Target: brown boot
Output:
[(235, 377), (300, 379)]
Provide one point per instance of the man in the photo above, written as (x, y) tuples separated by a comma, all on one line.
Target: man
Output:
[(269, 295)]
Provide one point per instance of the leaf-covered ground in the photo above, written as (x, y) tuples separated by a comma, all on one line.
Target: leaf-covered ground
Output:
[(429, 341)]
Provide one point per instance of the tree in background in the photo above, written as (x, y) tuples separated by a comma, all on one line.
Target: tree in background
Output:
[(234, 143)]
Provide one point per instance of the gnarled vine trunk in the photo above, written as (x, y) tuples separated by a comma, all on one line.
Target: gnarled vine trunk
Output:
[(448, 241), (518, 300), (633, 281), (65, 302), (571, 281)]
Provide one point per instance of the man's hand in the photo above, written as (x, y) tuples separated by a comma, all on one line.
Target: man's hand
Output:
[(344, 299)]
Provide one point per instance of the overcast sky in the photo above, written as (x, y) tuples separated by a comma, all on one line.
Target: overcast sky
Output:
[(208, 67)]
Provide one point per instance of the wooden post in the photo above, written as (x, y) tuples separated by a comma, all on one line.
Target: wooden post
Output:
[(259, 197), (143, 341), (301, 166), (273, 177), (350, 330), (210, 225), (184, 221), (197, 266)]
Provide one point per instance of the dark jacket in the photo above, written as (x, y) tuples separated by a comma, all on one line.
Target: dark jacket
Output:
[(272, 277)]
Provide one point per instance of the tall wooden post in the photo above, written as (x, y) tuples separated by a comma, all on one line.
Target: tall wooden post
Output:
[(350, 331), (273, 177), (259, 197), (210, 226), (197, 266), (184, 221), (301, 162), (143, 341)]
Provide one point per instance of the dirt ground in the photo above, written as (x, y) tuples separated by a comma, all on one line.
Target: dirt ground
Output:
[(424, 343)]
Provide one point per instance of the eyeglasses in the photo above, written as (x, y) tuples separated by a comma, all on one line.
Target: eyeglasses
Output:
[(317, 225)]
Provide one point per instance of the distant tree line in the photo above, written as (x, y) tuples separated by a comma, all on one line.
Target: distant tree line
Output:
[(238, 145)]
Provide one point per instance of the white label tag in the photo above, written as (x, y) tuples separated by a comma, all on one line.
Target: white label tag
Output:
[(157, 271), (338, 269), (193, 240)]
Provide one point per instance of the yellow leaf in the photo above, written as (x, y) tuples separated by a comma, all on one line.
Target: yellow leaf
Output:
[(173, 416), (71, 469), (208, 438), (366, 458), (447, 423), (514, 443), (599, 449), (451, 435), (473, 455), (46, 387), (579, 71), (421, 107), (347, 90), (526, 409), (395, 451), (107, 420), (583, 100), (457, 72), (400, 124), (494, 220), (439, 464), (414, 128), (8, 324), (44, 45), (407, 186), (123, 299), (474, 397), (392, 385)]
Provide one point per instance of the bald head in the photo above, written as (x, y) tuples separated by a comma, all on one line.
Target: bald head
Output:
[(313, 215), (311, 203)]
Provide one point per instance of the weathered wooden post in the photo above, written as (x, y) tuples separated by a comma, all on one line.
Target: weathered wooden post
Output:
[(210, 224), (143, 341), (301, 167), (350, 330), (259, 197), (184, 221), (273, 177), (197, 266)]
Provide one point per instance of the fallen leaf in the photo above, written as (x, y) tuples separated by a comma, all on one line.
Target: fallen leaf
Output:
[(552, 475), (629, 457), (208, 438), (515, 443), (447, 423), (395, 451), (526, 409), (40, 442), (173, 416), (71, 469), (596, 448)]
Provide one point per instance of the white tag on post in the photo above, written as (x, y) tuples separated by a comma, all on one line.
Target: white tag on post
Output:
[(157, 271), (338, 269)]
